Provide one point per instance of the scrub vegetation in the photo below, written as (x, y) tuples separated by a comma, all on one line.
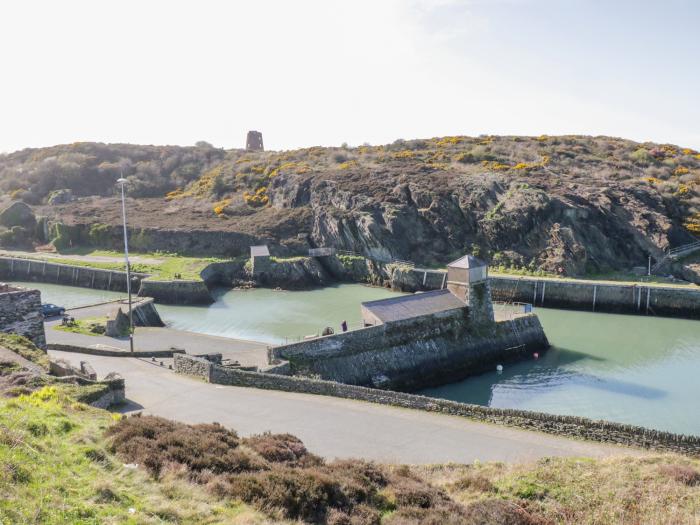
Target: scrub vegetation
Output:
[(62, 461), (546, 204)]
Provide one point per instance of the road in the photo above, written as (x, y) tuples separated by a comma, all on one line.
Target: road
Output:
[(333, 427)]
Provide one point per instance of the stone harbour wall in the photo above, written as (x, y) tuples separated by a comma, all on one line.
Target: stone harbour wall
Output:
[(20, 313), (12, 268), (596, 297), (414, 353), (572, 426), (176, 292), (639, 299)]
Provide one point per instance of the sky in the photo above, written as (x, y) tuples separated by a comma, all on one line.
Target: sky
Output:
[(327, 72)]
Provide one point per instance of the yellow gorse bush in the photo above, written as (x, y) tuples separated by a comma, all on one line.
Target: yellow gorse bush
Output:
[(220, 207), (448, 141), (257, 199), (681, 170)]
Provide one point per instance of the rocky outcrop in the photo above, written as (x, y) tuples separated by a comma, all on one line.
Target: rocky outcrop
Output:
[(294, 273)]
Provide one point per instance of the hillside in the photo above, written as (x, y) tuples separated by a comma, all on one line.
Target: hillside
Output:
[(569, 205)]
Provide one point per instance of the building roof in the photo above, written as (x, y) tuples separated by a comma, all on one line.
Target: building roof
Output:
[(259, 251), (468, 261), (408, 306)]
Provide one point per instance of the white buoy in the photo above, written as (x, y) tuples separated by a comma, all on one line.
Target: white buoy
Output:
[(499, 368)]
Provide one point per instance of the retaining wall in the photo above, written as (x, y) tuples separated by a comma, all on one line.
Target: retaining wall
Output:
[(414, 353), (12, 268), (579, 427), (20, 313)]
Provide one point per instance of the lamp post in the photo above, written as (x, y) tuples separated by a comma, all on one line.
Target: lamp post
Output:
[(121, 181)]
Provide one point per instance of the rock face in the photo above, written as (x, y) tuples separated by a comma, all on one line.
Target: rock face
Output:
[(569, 205), (17, 214), (60, 197), (294, 273)]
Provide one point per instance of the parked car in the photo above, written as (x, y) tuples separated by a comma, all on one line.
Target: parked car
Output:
[(51, 310)]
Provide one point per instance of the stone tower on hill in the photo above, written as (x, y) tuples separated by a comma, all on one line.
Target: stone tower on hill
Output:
[(254, 141)]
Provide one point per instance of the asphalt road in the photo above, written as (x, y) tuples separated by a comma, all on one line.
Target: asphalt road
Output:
[(333, 427)]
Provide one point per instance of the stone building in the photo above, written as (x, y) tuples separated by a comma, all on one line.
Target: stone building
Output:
[(254, 141), (467, 285), (468, 279), (260, 259), (20, 313)]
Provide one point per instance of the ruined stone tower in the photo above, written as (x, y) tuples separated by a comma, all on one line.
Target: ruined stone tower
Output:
[(467, 278), (254, 141)]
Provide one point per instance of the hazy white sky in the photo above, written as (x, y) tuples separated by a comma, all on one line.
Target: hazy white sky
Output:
[(325, 72)]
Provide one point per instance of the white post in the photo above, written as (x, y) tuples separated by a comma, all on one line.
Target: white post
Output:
[(649, 267), (121, 182)]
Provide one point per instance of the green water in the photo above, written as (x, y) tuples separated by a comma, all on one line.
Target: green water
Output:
[(274, 317), (70, 296), (631, 369)]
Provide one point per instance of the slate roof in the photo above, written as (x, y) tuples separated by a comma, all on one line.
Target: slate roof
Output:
[(259, 251), (407, 306), (468, 261)]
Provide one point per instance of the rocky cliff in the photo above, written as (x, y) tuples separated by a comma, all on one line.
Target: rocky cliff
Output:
[(568, 205)]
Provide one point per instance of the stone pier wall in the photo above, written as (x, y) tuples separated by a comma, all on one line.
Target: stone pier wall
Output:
[(16, 269), (596, 297), (414, 353), (20, 313), (572, 426), (670, 301), (176, 292)]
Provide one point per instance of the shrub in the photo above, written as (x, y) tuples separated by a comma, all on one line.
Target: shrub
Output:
[(281, 448), (156, 442), (100, 235), (681, 170), (682, 474), (257, 199), (642, 156)]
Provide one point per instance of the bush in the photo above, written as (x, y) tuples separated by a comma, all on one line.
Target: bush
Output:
[(100, 235), (156, 442), (281, 448), (682, 474)]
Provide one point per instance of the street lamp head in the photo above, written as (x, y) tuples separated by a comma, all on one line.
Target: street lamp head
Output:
[(121, 180)]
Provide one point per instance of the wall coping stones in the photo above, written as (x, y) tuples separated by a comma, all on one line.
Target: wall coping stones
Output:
[(113, 353), (569, 426)]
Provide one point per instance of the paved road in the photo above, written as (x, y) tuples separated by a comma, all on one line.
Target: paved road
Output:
[(335, 427)]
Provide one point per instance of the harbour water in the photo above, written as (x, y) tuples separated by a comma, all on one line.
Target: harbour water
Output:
[(630, 369)]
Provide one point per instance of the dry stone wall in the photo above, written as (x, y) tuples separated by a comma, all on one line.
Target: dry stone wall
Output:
[(20, 313), (578, 427)]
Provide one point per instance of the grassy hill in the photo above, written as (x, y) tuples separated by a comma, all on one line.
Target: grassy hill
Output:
[(568, 205)]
